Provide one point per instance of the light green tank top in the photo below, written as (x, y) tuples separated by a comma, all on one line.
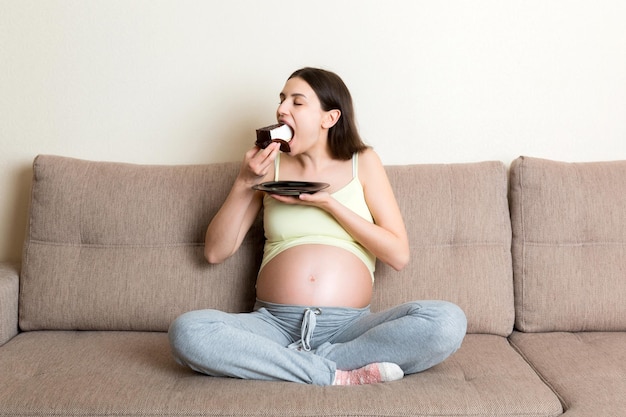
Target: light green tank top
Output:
[(288, 225)]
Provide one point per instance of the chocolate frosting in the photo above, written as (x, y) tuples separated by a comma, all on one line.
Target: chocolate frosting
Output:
[(264, 138)]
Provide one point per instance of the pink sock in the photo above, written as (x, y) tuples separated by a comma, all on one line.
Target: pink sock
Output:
[(369, 374)]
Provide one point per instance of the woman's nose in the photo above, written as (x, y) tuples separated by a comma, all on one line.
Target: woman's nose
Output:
[(282, 109)]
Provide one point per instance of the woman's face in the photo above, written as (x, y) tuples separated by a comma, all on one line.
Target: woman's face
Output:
[(301, 110)]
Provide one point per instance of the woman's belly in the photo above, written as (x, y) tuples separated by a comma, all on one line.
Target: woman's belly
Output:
[(315, 275)]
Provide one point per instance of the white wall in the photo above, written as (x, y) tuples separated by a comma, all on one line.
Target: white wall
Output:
[(171, 82)]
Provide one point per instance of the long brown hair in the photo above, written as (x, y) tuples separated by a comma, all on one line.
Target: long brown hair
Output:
[(343, 138)]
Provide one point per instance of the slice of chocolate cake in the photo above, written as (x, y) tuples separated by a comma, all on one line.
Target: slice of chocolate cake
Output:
[(280, 133)]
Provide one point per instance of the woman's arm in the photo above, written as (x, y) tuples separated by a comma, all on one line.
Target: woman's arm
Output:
[(386, 238), (238, 212)]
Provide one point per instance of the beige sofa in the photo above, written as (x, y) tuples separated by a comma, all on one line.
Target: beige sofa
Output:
[(114, 253)]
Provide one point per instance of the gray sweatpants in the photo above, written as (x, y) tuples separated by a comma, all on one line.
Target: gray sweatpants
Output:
[(308, 344)]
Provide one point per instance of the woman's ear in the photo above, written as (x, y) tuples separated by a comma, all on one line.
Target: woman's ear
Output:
[(331, 118)]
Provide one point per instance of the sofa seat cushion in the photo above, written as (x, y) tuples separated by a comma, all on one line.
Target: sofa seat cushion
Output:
[(587, 370), (132, 373)]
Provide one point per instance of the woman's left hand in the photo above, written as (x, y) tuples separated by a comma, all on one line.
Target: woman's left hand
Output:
[(318, 199)]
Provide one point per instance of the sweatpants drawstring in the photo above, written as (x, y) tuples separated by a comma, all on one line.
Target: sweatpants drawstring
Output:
[(306, 331)]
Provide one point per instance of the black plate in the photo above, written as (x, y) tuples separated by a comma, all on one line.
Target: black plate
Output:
[(291, 187)]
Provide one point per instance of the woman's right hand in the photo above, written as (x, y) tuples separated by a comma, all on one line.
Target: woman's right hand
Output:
[(257, 164)]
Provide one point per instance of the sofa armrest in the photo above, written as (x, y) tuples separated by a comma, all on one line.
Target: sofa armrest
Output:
[(9, 290)]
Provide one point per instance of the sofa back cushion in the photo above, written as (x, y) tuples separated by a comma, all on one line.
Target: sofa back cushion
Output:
[(457, 218), (569, 245), (115, 246)]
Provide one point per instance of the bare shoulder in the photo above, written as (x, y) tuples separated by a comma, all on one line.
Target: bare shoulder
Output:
[(371, 169), (369, 157)]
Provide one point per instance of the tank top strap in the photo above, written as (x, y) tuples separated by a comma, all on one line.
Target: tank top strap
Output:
[(276, 166)]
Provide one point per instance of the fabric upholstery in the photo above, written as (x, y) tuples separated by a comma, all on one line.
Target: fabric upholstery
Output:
[(115, 246), (118, 247), (569, 245), (132, 373), (459, 230), (587, 370), (9, 288)]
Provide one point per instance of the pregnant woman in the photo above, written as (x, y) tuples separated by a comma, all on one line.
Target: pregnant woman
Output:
[(312, 323)]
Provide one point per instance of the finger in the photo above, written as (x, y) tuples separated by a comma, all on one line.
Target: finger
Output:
[(271, 150), (285, 199), (268, 155), (261, 163)]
